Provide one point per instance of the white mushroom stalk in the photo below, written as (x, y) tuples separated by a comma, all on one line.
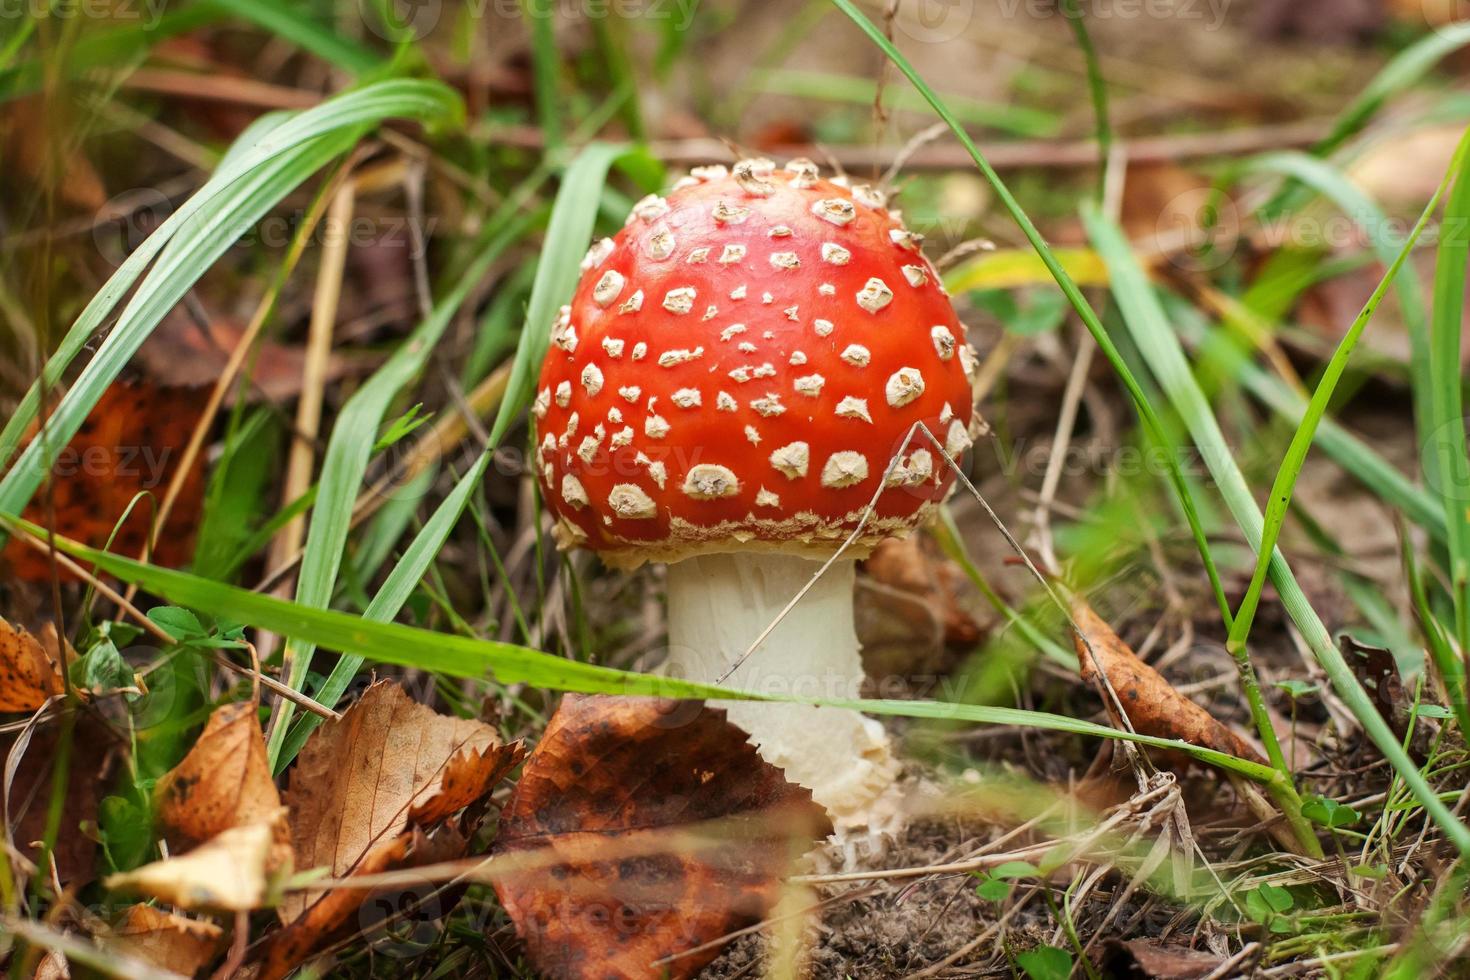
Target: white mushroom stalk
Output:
[(720, 604)]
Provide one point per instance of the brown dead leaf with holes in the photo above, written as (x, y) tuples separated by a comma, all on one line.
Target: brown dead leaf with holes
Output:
[(224, 782), (1154, 707), (164, 939), (229, 873), (372, 792), (641, 829), (30, 667), (130, 444)]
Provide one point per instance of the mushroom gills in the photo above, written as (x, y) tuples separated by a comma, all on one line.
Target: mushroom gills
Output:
[(720, 604)]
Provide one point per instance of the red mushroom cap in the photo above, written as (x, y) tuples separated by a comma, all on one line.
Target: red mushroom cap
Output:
[(740, 366)]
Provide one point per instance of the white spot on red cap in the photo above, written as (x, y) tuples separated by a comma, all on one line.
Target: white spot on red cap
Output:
[(633, 304), (751, 180), (680, 300), (592, 379), (710, 481), (844, 469), (661, 244), (752, 435), (809, 385), (613, 346), (792, 459), (785, 260), (852, 407), (630, 392), (655, 427), (657, 472), (726, 214), (563, 394), (608, 288), (869, 196), (837, 210), (768, 405), (686, 398), (780, 231), (944, 341), (651, 208), (731, 254), (857, 355), (765, 498), (597, 254), (874, 295), (573, 492), (797, 358), (542, 403), (640, 351), (738, 293), (827, 289), (628, 501), (622, 437), (698, 255), (957, 438), (904, 385), (712, 171), (910, 472), (835, 254), (905, 239), (732, 330), (725, 402), (822, 327), (803, 172), (917, 275)]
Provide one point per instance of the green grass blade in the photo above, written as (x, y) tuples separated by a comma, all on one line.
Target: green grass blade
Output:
[(1069, 288), (567, 235), (1144, 317), (1284, 484), (545, 69), (348, 452), (463, 656), (291, 22), (1444, 435), (1099, 90), (388, 601), (212, 207)]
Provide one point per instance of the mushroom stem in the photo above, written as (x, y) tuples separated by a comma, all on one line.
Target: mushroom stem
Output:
[(719, 604)]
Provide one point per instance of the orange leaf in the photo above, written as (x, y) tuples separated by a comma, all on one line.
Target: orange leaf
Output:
[(130, 444), (30, 671), (165, 940), (653, 827), (1153, 705), (224, 782)]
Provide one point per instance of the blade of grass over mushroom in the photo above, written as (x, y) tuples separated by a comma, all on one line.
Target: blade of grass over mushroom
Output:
[(568, 234), (1279, 500), (1160, 347), (1069, 288), (471, 657), (1442, 434), (211, 217)]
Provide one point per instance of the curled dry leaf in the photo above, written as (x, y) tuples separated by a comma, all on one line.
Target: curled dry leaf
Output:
[(641, 829), (227, 874), (224, 782), (1158, 960), (1153, 705), (30, 670), (389, 763), (365, 792), (129, 445), (165, 940)]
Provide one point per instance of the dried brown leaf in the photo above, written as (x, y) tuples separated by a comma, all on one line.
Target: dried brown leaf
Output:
[(386, 765), (224, 782), (1153, 705), (165, 940), (30, 668), (1158, 960), (29, 793), (658, 828), (227, 874)]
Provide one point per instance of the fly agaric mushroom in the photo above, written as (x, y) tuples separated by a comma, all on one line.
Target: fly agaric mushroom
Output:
[(739, 371)]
